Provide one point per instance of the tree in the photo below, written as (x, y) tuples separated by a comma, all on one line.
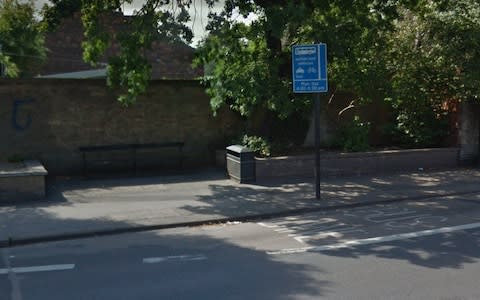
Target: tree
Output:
[(252, 62), (21, 40), (128, 71), (433, 60), (57, 10)]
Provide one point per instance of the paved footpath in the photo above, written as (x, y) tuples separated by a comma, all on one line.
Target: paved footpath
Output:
[(77, 207)]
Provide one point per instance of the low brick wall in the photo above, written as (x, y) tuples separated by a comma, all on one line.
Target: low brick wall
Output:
[(348, 164)]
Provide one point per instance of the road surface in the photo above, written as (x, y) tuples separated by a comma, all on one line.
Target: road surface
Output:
[(409, 250)]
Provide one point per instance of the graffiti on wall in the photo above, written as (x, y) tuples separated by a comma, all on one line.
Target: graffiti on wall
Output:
[(21, 115)]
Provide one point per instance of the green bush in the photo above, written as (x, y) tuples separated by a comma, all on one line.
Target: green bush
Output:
[(422, 128), (257, 144), (354, 137)]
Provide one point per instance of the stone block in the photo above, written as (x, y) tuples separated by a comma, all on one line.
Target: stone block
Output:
[(22, 181)]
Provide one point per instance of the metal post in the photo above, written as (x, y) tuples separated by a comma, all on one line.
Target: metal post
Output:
[(316, 99)]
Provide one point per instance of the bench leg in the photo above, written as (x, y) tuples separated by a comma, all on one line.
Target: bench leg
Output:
[(181, 158), (84, 168), (134, 161)]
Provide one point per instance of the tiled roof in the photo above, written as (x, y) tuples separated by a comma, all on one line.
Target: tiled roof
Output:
[(169, 61)]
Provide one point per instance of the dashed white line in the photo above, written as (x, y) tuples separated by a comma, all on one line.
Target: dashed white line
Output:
[(37, 269), (156, 260), (376, 240)]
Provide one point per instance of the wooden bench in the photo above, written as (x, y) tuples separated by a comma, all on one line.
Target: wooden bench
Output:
[(131, 150)]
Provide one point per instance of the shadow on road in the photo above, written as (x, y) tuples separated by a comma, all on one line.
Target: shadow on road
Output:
[(111, 267), (452, 250)]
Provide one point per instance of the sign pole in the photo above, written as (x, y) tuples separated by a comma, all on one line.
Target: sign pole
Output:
[(316, 99), (309, 73)]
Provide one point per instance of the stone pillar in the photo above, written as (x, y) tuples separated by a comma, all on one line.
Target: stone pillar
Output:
[(469, 133)]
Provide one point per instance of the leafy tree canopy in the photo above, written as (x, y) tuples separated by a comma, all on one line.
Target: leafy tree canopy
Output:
[(129, 71), (58, 10), (432, 61), (251, 63), (21, 41)]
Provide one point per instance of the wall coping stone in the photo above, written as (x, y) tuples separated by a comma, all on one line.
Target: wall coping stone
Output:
[(26, 168)]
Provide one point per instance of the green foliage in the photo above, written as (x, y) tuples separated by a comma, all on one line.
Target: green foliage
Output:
[(128, 72), (422, 128), (257, 144), (21, 41), (57, 10), (433, 60), (354, 136), (249, 65), (249, 62)]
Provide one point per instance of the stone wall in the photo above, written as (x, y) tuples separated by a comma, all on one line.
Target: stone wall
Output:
[(48, 119)]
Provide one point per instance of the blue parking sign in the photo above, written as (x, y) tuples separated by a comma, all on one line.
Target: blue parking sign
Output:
[(309, 68)]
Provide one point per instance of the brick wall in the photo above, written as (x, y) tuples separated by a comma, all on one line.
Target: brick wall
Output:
[(48, 119), (348, 164)]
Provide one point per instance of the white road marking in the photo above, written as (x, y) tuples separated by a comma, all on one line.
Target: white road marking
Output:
[(156, 260), (376, 240), (38, 269), (402, 218), (267, 225), (390, 220), (285, 230), (416, 221), (312, 229), (16, 293), (332, 228), (300, 239)]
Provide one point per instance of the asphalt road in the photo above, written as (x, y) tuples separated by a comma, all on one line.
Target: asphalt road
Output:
[(409, 250)]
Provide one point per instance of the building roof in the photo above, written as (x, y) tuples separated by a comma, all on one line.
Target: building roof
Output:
[(64, 54), (88, 74)]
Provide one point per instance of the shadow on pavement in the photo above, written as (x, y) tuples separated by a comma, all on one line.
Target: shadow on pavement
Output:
[(298, 193), (244, 200)]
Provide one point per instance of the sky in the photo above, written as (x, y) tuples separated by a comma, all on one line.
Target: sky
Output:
[(198, 11)]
